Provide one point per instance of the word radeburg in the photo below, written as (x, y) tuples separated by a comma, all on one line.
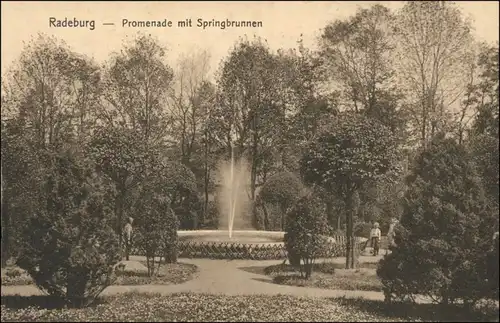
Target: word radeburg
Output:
[(71, 23)]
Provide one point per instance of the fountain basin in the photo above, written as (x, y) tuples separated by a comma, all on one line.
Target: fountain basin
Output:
[(238, 236), (247, 244), (243, 244)]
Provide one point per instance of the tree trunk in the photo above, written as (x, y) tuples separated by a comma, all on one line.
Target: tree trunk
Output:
[(283, 218), (6, 228), (253, 175), (329, 213), (348, 231), (253, 180), (351, 210), (195, 220), (355, 206), (206, 184), (308, 268), (119, 214), (75, 289), (171, 253), (266, 217)]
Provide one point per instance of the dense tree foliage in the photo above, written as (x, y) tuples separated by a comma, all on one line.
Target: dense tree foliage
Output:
[(352, 151), (444, 231)]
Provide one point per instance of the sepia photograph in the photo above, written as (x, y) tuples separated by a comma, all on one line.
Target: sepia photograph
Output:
[(250, 161)]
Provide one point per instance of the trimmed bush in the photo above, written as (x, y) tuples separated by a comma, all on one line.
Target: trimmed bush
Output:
[(306, 231), (156, 235), (68, 248), (442, 238)]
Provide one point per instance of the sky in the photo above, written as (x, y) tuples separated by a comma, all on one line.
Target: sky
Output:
[(282, 24)]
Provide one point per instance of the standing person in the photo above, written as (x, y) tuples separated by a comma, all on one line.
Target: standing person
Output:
[(375, 236), (128, 237)]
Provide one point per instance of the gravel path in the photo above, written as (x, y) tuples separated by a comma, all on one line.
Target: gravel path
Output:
[(227, 277)]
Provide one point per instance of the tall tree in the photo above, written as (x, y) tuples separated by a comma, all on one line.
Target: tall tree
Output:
[(434, 42), (483, 97), (49, 100), (250, 111), (191, 100), (207, 97), (308, 105), (186, 106), (52, 91), (136, 83), (357, 55), (349, 153), (357, 61), (485, 92)]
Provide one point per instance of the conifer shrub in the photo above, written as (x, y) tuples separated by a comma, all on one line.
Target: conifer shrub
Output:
[(444, 232), (68, 247)]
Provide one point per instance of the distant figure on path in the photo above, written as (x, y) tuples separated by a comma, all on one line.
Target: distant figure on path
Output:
[(127, 230), (375, 236)]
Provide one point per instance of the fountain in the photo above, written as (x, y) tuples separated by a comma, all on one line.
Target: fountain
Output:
[(233, 198), (233, 194), (234, 207)]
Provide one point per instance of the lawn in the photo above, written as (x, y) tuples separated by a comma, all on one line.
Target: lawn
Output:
[(329, 276), (168, 274), (208, 308)]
